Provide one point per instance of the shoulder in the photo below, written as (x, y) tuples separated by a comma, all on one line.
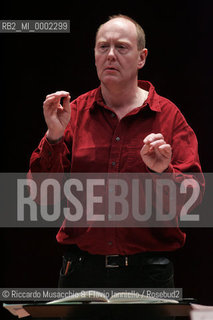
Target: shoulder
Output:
[(166, 104), (85, 100), (156, 101), (169, 108)]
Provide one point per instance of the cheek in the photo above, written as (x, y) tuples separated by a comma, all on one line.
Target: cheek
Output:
[(132, 64), (98, 65), (98, 61)]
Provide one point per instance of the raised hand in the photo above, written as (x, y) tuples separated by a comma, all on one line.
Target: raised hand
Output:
[(156, 153), (57, 116)]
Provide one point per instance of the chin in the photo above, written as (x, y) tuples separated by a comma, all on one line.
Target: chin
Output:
[(110, 80)]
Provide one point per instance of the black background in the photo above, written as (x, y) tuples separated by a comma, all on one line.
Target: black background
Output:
[(179, 64)]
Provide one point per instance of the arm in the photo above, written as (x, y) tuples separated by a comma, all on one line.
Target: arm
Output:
[(53, 155), (174, 151), (177, 160), (156, 153), (54, 151)]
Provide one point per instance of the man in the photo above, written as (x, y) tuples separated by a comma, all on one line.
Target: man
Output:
[(122, 126)]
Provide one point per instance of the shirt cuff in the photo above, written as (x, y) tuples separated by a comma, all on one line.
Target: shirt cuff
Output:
[(51, 150), (168, 170)]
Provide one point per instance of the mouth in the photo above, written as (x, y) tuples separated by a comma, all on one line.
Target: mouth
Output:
[(111, 69)]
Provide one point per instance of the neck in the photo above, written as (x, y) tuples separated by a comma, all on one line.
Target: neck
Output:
[(123, 99), (119, 96)]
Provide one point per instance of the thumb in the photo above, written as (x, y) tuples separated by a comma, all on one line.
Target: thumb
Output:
[(66, 104)]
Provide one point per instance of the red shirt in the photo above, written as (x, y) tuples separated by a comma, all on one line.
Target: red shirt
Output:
[(95, 140)]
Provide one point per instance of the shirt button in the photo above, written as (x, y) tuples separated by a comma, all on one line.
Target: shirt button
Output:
[(113, 163), (117, 138), (49, 153), (110, 243)]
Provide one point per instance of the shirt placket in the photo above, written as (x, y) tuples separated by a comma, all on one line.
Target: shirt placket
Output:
[(114, 167), (116, 149)]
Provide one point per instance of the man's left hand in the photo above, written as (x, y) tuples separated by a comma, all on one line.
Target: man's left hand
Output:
[(156, 153)]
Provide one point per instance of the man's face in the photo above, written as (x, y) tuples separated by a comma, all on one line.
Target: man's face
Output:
[(117, 58)]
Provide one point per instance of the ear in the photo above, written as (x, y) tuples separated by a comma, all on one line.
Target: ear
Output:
[(142, 58)]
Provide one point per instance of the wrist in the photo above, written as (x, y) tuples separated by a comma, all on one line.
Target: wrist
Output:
[(53, 138), (166, 170)]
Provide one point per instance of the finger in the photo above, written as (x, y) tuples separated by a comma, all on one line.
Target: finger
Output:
[(149, 138), (51, 99), (62, 92), (58, 94), (165, 150), (147, 149), (152, 137), (157, 143), (66, 103), (52, 102)]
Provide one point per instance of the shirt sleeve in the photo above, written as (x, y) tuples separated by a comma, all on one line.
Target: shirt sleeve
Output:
[(185, 168), (48, 157), (181, 137), (184, 143)]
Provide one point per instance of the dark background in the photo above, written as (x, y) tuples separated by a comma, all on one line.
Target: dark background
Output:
[(179, 39)]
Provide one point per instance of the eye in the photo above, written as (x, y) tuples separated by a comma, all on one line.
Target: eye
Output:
[(103, 46), (122, 48)]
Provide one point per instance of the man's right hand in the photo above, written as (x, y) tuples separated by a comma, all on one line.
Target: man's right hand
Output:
[(57, 116)]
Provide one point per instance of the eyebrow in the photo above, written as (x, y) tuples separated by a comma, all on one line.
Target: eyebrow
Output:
[(124, 41)]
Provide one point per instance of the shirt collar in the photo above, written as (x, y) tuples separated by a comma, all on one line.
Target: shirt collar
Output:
[(152, 100)]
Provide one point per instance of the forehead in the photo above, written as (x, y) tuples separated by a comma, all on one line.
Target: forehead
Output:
[(117, 29)]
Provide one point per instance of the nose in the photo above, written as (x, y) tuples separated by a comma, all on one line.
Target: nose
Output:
[(111, 53)]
